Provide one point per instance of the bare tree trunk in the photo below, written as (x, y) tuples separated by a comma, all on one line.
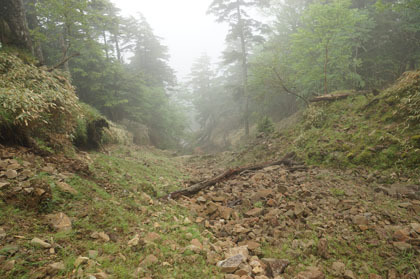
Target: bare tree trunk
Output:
[(16, 34), (117, 43), (325, 70), (33, 24), (106, 45), (64, 48), (117, 47), (244, 69)]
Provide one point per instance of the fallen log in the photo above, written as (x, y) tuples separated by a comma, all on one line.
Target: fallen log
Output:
[(331, 97), (287, 160)]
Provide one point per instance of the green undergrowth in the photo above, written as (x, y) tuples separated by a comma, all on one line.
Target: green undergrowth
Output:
[(379, 132), (39, 108), (118, 200)]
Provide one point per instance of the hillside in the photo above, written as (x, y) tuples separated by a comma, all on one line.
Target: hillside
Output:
[(344, 205), (375, 132)]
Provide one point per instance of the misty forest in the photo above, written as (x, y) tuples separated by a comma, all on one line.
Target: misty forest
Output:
[(293, 153)]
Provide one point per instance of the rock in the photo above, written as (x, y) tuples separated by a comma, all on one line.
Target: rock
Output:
[(201, 199), (225, 212), (134, 241), (101, 275), (254, 212), (33, 194), (55, 268), (149, 260), (275, 267), (244, 270), (11, 174), (40, 243), (80, 260), (231, 264), (271, 203), (4, 184), (93, 254), (348, 274), (322, 248), (415, 227), (60, 222), (2, 233), (257, 268), (261, 277), (338, 268), (9, 265), (360, 220), (402, 246), (100, 235), (232, 276), (151, 237), (401, 235), (241, 250), (66, 188), (212, 257), (374, 276), (311, 273), (252, 245), (282, 189), (299, 209), (196, 243)]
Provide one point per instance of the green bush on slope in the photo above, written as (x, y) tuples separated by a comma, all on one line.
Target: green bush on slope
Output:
[(40, 109), (35, 103)]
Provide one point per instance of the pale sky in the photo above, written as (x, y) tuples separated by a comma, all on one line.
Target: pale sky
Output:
[(184, 27)]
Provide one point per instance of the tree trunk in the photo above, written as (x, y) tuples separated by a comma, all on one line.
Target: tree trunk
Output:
[(15, 32), (244, 68), (117, 47), (325, 70), (106, 45), (64, 49), (33, 24)]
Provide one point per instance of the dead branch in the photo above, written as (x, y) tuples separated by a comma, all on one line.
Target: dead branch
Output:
[(287, 160), (287, 89), (63, 61)]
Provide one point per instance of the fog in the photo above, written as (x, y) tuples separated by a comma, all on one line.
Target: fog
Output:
[(184, 27)]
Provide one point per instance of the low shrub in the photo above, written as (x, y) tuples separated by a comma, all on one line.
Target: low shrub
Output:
[(35, 104)]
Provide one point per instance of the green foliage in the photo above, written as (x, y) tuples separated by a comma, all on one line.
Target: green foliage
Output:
[(87, 115), (404, 98), (265, 126), (41, 103), (322, 48), (314, 117), (136, 90)]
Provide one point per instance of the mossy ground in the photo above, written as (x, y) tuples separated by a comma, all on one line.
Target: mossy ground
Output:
[(361, 131), (113, 201)]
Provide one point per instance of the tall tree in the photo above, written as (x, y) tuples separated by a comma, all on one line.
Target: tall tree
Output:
[(151, 56), (244, 29), (13, 25), (325, 47)]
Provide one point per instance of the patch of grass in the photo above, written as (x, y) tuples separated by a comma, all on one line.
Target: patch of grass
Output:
[(113, 201), (337, 192)]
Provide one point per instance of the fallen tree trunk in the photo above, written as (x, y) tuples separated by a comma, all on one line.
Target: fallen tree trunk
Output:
[(287, 160), (331, 97), (339, 96)]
